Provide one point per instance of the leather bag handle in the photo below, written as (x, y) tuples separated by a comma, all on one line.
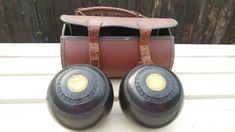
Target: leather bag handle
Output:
[(106, 11), (145, 28), (94, 26)]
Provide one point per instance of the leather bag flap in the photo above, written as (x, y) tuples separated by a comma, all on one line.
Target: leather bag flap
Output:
[(129, 22)]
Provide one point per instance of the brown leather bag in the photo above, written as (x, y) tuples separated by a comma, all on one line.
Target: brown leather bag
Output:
[(116, 44)]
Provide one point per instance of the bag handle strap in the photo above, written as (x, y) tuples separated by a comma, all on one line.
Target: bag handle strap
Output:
[(94, 25), (106, 11), (145, 28), (93, 41)]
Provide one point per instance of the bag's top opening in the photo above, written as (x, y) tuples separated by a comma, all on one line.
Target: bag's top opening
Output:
[(78, 30), (129, 22)]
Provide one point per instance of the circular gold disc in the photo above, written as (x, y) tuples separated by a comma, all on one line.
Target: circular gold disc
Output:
[(77, 83), (156, 82)]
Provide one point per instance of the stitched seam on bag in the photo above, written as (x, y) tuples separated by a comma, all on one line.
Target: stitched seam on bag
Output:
[(118, 37), (62, 52), (172, 53)]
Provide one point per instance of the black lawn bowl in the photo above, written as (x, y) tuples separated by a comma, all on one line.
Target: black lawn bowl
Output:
[(79, 96), (151, 95)]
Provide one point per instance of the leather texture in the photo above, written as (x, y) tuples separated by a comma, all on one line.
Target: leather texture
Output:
[(116, 55), (130, 22), (145, 28), (93, 41)]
